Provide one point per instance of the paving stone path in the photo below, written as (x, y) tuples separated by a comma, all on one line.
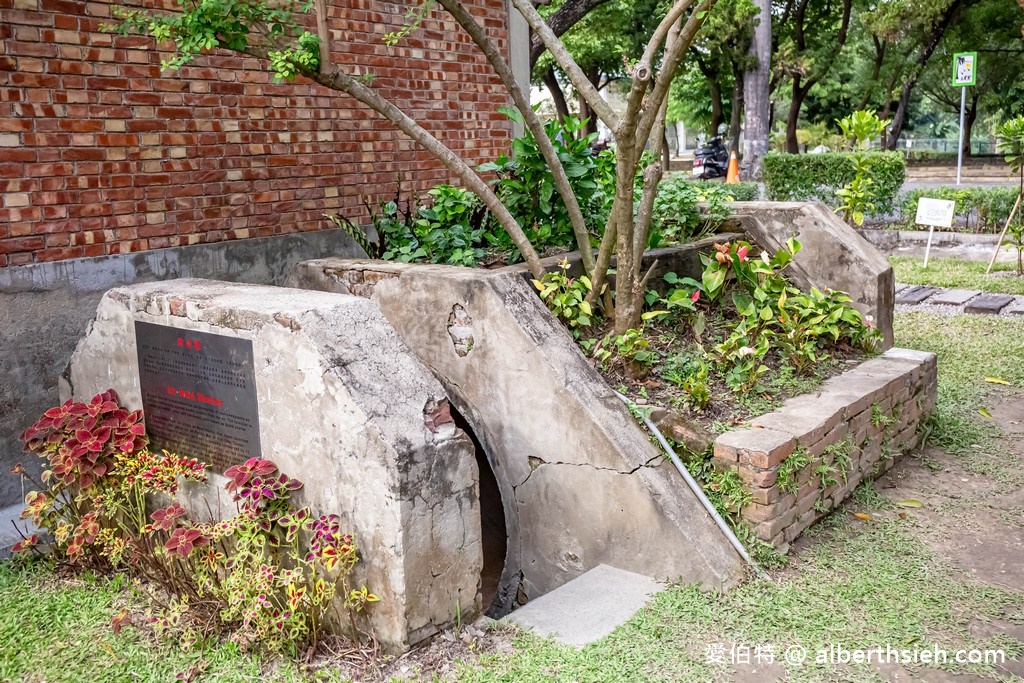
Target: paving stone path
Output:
[(953, 301)]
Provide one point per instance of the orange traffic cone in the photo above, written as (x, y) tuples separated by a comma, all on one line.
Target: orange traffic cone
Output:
[(732, 176)]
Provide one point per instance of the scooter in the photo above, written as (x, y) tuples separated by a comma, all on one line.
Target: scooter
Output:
[(711, 160)]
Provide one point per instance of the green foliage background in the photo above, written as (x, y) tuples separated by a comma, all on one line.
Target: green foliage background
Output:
[(803, 177), (983, 209)]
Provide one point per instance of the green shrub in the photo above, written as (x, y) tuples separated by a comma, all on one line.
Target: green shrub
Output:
[(810, 137), (981, 209), (449, 230), (806, 177), (678, 216), (269, 573), (527, 187), (745, 192), (924, 155)]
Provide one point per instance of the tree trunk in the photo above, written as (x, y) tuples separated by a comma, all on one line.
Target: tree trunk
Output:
[(876, 70), (594, 77), (737, 110), (899, 121), (793, 120), (567, 16), (970, 116), (885, 113), (756, 106), (711, 76), (557, 95), (716, 106)]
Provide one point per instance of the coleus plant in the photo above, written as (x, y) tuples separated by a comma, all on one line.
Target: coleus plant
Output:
[(271, 571)]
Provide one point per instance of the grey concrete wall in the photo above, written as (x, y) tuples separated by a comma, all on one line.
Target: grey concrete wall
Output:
[(580, 482), (345, 408), (45, 308), (833, 254)]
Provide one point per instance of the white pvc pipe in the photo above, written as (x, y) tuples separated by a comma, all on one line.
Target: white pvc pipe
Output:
[(699, 492)]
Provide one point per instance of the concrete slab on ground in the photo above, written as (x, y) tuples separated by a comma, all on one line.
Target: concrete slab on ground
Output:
[(589, 607), (954, 297), (989, 304), (916, 294), (1016, 307), (10, 524)]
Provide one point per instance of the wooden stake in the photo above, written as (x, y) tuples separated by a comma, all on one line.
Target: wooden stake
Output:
[(320, 6), (999, 244)]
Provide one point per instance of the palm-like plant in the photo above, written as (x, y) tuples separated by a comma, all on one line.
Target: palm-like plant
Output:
[(1010, 141)]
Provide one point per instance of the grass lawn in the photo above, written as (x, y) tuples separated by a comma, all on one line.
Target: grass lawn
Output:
[(60, 630), (857, 583), (958, 273)]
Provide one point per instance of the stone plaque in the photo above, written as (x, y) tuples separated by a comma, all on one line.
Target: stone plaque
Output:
[(198, 394)]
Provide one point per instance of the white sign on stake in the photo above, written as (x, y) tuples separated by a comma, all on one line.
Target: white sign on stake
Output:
[(934, 213)]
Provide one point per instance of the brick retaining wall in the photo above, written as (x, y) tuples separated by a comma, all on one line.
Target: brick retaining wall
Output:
[(850, 431)]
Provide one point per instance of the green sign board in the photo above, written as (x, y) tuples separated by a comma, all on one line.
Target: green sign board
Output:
[(965, 68)]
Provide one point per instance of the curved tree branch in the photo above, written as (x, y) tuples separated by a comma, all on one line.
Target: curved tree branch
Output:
[(522, 102), (568, 65), (342, 82), (676, 48), (567, 16)]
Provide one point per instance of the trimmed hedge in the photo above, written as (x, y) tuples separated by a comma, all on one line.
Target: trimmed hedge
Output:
[(744, 191), (806, 177), (978, 209), (739, 192)]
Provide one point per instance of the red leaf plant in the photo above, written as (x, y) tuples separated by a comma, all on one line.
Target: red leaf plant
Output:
[(269, 574)]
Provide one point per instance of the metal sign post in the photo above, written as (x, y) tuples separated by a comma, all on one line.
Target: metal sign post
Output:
[(934, 213), (960, 147), (964, 74)]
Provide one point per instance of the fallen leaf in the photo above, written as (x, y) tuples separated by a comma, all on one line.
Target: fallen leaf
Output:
[(109, 650), (997, 380), (119, 621), (862, 515), (910, 503), (984, 412)]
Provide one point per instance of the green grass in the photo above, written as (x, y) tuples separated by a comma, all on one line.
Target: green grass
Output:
[(54, 631), (957, 273), (969, 349), (860, 584), (868, 584)]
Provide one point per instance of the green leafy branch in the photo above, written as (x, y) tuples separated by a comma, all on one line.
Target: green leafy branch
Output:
[(237, 25), (413, 17)]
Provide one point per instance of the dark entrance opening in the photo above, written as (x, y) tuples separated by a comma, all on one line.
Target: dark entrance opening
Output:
[(493, 531)]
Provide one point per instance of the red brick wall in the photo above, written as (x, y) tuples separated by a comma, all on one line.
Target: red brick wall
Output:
[(102, 153)]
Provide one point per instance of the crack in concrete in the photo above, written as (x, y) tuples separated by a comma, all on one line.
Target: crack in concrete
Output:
[(585, 464)]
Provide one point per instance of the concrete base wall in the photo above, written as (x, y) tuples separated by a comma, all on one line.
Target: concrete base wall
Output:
[(581, 483), (850, 431), (345, 408), (46, 307), (833, 254)]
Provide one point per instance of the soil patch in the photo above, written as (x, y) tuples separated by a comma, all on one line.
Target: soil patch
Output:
[(679, 354)]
